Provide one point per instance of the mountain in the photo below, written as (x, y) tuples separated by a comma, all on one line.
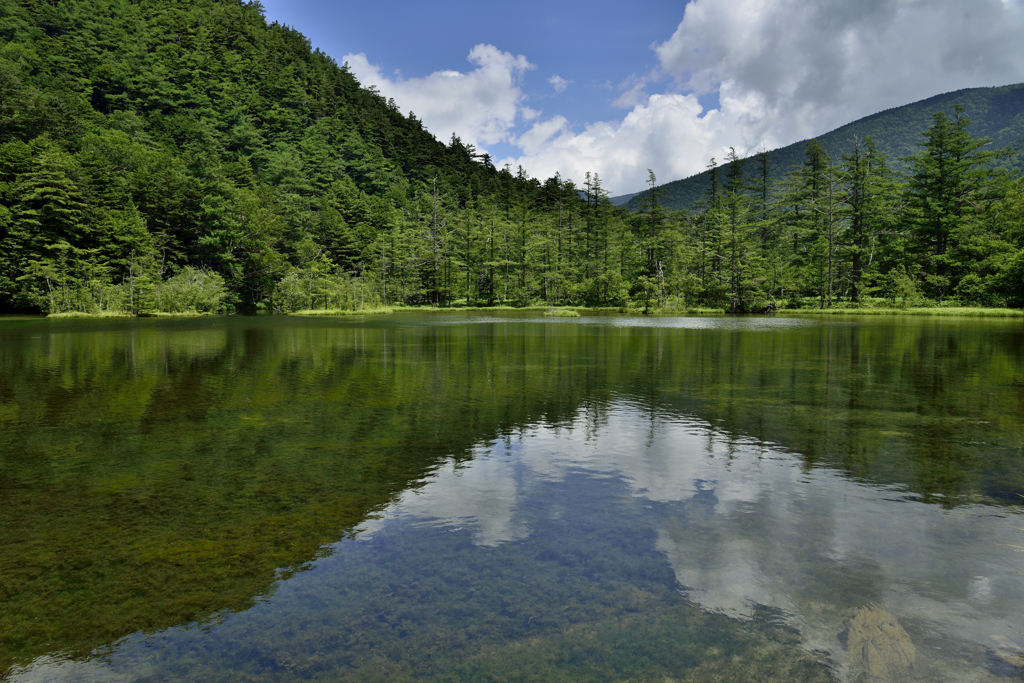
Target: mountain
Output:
[(623, 198), (996, 113)]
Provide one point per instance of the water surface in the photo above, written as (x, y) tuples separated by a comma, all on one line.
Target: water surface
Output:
[(508, 497)]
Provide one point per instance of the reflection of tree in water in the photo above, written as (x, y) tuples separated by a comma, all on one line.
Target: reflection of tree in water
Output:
[(931, 406)]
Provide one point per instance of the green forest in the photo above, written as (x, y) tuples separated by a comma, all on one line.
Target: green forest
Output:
[(190, 157)]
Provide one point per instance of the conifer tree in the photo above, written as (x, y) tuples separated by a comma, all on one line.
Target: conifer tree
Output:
[(952, 185), (873, 206), (736, 206), (650, 225), (708, 223)]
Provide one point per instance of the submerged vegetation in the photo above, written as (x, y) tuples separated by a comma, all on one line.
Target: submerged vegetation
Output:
[(192, 158)]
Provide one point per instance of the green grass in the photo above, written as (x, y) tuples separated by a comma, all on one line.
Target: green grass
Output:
[(123, 314), (496, 307), (82, 314), (963, 311), (695, 310), (692, 310), (344, 311), (574, 312)]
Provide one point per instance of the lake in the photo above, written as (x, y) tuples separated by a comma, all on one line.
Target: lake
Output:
[(508, 497)]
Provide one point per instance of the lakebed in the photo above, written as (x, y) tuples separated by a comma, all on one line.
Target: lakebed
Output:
[(507, 495)]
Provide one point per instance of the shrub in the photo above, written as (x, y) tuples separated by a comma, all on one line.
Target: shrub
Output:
[(191, 291)]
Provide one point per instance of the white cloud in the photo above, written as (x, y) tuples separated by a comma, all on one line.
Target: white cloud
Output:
[(669, 133), (634, 92), (784, 70), (727, 522), (480, 106), (820, 65)]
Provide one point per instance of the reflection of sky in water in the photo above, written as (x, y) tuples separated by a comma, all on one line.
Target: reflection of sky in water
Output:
[(742, 525), (755, 508), (747, 324)]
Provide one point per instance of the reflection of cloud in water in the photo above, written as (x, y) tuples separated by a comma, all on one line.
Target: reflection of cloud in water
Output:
[(744, 525), (746, 324), (481, 495)]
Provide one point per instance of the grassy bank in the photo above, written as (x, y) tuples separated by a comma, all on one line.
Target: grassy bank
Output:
[(496, 307), (693, 310), (575, 311), (343, 311), (935, 311), (122, 314), (558, 309), (80, 314)]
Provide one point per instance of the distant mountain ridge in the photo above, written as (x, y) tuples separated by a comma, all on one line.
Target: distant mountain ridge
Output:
[(623, 198), (996, 112)]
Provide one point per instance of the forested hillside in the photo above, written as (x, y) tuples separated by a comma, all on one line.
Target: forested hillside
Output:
[(996, 113), (189, 157), (143, 140)]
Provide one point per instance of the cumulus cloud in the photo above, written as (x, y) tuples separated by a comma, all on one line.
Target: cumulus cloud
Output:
[(819, 65), (726, 524), (670, 133), (480, 106), (784, 70)]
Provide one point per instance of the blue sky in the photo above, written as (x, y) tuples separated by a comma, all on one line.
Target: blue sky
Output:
[(594, 47), (616, 89)]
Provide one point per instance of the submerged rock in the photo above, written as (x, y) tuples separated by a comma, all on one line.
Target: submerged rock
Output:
[(1009, 652), (878, 645)]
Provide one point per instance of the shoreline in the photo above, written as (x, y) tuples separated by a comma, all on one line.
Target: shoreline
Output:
[(574, 311), (105, 314), (959, 311)]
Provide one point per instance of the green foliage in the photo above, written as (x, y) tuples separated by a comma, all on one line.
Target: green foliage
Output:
[(952, 186), (844, 229), (901, 289), (196, 136), (191, 291)]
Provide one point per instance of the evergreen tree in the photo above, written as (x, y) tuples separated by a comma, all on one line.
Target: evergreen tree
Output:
[(812, 200), (952, 185), (873, 209), (650, 226), (709, 229)]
